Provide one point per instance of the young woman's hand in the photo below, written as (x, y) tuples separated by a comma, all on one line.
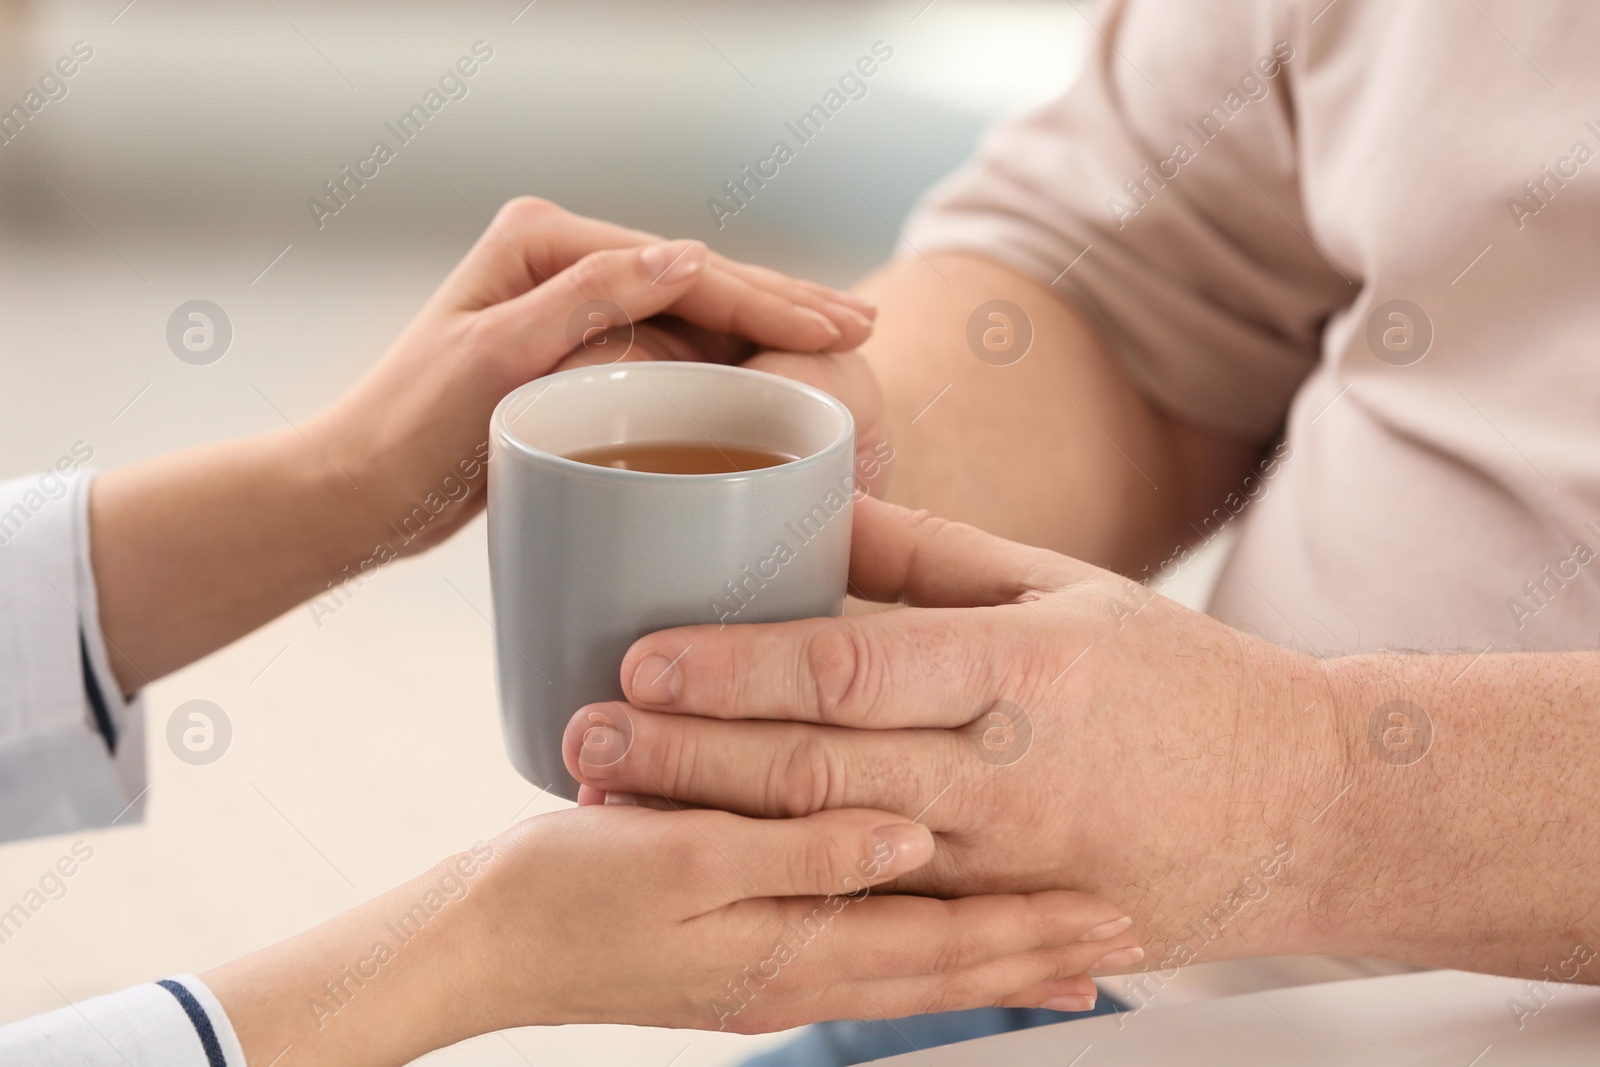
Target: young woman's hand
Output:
[(547, 290), (694, 918), (193, 550)]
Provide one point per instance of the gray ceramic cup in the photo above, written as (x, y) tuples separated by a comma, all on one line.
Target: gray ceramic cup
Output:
[(585, 560)]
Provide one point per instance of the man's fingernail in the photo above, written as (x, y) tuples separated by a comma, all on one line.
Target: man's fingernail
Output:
[(602, 746), (823, 321), (1122, 957), (672, 261), (848, 314), (656, 680), (901, 847), (1070, 1002), (1105, 930), (621, 800)]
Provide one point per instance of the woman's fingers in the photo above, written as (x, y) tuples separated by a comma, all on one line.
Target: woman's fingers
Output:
[(1075, 993), (888, 957), (531, 241), (704, 918), (543, 324), (892, 936), (828, 854), (988, 985), (842, 307), (757, 303), (731, 304), (528, 242)]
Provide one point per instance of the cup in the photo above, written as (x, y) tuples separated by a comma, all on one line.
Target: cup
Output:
[(584, 560)]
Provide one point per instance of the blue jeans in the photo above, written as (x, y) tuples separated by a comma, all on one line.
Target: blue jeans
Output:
[(840, 1044)]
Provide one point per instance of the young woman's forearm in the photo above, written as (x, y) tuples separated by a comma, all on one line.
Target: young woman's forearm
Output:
[(193, 550), (377, 986), (696, 919)]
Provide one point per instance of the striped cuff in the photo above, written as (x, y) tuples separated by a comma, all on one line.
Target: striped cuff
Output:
[(176, 1022), (199, 1019), (67, 761)]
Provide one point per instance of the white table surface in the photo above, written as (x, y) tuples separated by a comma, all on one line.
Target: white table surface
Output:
[(1432, 1019)]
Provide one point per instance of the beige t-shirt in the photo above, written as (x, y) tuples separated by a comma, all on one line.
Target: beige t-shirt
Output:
[(1373, 227)]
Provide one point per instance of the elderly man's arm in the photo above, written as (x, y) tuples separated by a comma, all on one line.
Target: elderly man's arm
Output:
[(1058, 449), (1466, 833), (1059, 727)]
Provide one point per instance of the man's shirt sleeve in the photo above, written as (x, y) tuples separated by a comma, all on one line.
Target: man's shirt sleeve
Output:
[(1161, 195)]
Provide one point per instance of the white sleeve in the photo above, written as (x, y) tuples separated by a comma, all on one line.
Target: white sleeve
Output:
[(71, 748), (172, 1023)]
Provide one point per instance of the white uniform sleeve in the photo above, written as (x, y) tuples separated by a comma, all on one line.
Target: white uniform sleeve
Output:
[(172, 1023), (71, 748)]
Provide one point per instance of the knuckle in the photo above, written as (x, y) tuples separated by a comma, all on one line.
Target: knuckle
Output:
[(925, 527), (953, 993), (808, 779), (685, 852), (483, 335), (1035, 915), (599, 273), (959, 951), (830, 659), (488, 344), (816, 863), (671, 756), (521, 211), (1073, 960), (901, 957), (733, 679), (846, 669), (1041, 576), (679, 848)]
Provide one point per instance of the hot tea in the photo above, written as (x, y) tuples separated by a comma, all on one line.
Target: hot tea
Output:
[(681, 457)]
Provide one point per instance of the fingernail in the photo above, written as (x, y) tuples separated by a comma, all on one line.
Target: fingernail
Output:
[(672, 261), (602, 747), (1070, 1002), (656, 680), (1122, 957), (621, 800), (821, 320), (849, 314), (901, 847), (866, 307), (1105, 930)]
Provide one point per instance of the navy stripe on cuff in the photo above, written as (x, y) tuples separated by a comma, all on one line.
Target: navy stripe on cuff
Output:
[(97, 699), (200, 1020)]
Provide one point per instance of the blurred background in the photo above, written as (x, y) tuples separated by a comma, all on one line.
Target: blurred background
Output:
[(178, 166)]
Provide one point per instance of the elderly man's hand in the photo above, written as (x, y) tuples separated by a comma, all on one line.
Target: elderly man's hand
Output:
[(1055, 725)]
